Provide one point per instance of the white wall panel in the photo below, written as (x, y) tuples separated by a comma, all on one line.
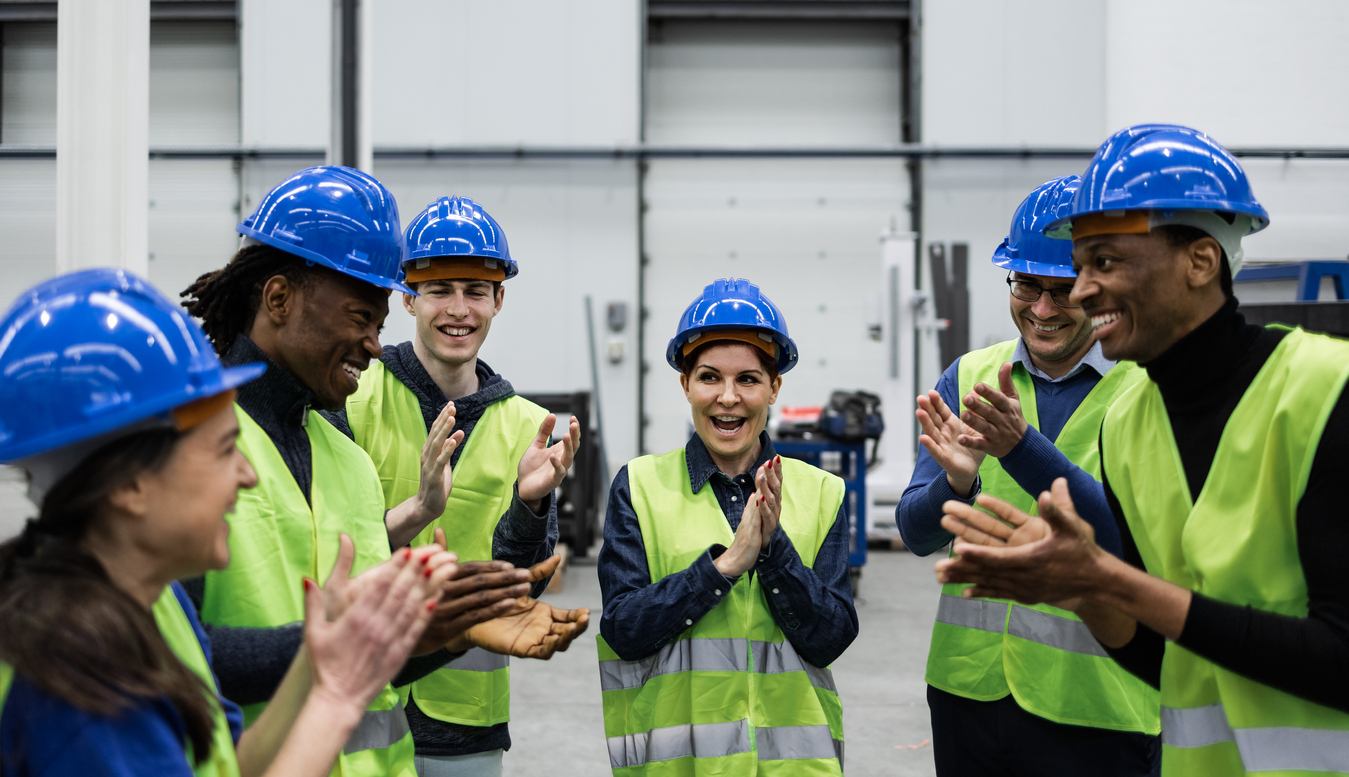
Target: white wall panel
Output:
[(508, 72), (1005, 72), (1246, 72), (806, 231), (194, 83), (28, 84), (28, 225), (572, 227), (192, 217), (774, 84), (286, 72)]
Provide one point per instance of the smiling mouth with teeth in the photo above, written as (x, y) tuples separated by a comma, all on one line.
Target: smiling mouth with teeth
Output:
[(1105, 318), (1042, 328), (727, 424), (457, 331), (352, 370)]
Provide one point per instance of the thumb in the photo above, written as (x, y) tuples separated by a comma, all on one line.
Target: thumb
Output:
[(440, 538), (1056, 507), (546, 430), (1005, 380)]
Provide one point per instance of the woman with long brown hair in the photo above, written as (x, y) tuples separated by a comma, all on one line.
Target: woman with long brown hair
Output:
[(118, 409)]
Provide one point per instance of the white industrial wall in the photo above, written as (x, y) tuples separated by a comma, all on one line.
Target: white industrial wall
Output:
[(805, 230), (1070, 72)]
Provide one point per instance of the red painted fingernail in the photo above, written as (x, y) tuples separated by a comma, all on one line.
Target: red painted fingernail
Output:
[(427, 573), (426, 560), (407, 553), (431, 605), (308, 584)]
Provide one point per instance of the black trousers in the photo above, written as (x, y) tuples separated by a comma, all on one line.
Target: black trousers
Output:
[(1000, 739)]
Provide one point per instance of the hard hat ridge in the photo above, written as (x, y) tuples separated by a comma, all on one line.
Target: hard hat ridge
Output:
[(1026, 249)]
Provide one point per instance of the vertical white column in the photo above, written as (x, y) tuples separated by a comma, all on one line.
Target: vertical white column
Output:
[(886, 483), (365, 89), (102, 133)]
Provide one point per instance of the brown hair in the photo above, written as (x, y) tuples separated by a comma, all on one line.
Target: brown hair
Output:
[(768, 363), (66, 628), (226, 300)]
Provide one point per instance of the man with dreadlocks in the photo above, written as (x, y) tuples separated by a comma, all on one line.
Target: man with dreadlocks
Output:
[(306, 295), (505, 471)]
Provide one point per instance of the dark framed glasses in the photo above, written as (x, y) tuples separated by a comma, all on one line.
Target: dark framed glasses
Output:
[(1028, 291)]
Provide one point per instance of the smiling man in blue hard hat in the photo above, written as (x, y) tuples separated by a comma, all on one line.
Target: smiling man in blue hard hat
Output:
[(1223, 472), (1018, 690), (306, 295), (505, 472)]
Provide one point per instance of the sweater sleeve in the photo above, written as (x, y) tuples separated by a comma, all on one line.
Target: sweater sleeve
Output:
[(1035, 463), (249, 663), (918, 514), (1275, 649)]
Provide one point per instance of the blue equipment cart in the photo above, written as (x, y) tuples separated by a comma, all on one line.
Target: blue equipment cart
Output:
[(848, 461)]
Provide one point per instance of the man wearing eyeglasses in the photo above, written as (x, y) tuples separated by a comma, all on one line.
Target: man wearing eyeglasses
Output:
[(1019, 690)]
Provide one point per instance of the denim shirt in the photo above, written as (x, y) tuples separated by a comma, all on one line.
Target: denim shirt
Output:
[(812, 605)]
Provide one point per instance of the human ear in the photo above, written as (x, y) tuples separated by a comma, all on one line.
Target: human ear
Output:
[(684, 383), (278, 299), (1205, 261), (408, 301), (132, 497), (777, 386), (501, 298)]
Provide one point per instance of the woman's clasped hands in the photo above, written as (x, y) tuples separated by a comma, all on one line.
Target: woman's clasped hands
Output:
[(758, 522)]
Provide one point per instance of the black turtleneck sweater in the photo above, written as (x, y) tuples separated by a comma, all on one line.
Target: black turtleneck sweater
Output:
[(1202, 378)]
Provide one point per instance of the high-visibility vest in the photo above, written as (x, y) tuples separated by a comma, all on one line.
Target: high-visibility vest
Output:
[(1237, 543), (182, 640), (1044, 656), (730, 696), (276, 540), (387, 422)]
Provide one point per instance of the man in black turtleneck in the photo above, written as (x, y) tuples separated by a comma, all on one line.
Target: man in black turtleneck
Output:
[(1222, 472)]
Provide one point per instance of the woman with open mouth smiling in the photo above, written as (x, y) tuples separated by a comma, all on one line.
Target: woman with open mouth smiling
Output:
[(724, 570)]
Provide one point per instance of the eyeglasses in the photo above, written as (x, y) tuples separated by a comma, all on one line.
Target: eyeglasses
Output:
[(1030, 292)]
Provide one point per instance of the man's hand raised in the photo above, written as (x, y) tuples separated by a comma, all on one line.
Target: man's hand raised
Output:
[(943, 432), (996, 419), (532, 629), (543, 468)]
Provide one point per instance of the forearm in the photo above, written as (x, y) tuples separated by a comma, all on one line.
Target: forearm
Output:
[(1136, 595), (812, 606), (250, 663), (1035, 463), (321, 729), (418, 667), (524, 537), (919, 512), (260, 743), (405, 521)]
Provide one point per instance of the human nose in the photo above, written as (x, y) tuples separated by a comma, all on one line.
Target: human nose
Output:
[(1044, 306), (248, 477), (457, 307), (1084, 288), (728, 396)]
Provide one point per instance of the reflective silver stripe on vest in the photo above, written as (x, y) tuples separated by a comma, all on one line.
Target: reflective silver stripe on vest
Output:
[(980, 614), (479, 660), (1054, 631), (779, 657), (686, 655), (1265, 749), (378, 729), (703, 740), (779, 743)]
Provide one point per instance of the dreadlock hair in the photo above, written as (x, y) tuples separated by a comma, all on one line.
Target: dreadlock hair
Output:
[(66, 628), (227, 300)]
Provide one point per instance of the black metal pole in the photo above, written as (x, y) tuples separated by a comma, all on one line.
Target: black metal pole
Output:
[(350, 78)]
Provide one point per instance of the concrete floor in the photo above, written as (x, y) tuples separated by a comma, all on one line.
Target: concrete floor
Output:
[(558, 726)]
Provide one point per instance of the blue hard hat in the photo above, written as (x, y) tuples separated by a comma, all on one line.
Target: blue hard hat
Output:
[(87, 353), (457, 227), (1162, 167), (730, 304), (1026, 249), (337, 217)]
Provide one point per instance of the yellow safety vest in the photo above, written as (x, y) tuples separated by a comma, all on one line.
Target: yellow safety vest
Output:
[(182, 640), (276, 540), (1237, 543), (1045, 657), (387, 422), (730, 696)]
